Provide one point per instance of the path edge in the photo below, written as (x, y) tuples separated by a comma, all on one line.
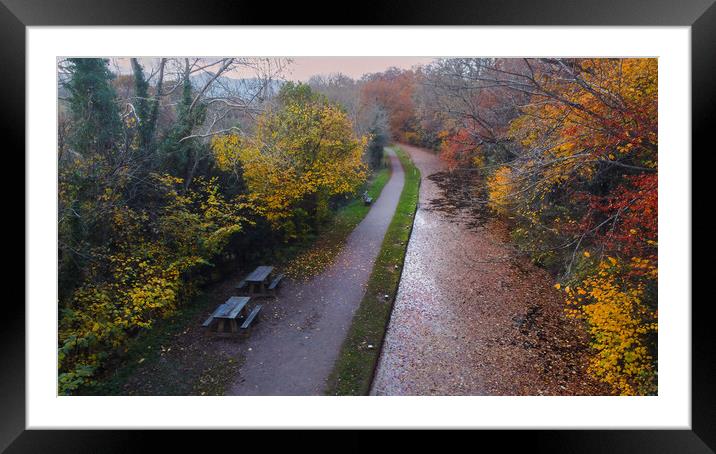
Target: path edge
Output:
[(347, 380)]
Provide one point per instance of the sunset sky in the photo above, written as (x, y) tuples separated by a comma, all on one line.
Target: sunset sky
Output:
[(303, 68), (355, 67)]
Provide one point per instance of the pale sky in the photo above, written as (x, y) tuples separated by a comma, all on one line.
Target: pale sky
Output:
[(303, 68)]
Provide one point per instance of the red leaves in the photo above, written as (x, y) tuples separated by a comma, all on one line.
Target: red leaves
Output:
[(631, 210), (393, 91), (458, 149)]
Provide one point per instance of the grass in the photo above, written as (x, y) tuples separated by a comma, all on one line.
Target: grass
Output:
[(331, 240), (355, 366)]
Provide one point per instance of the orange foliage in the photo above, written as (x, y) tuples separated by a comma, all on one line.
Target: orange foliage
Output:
[(393, 91), (459, 149)]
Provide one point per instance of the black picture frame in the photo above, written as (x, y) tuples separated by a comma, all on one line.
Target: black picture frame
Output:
[(16, 15)]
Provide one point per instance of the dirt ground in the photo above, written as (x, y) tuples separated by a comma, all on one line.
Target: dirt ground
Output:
[(471, 316)]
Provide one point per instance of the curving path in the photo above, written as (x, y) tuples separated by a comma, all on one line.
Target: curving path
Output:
[(293, 349)]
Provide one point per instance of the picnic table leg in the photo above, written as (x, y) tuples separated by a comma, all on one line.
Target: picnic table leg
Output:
[(234, 326), (220, 328)]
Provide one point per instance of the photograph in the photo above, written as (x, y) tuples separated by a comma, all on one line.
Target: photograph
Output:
[(357, 225)]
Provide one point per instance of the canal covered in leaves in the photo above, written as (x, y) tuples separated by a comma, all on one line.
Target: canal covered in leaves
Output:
[(472, 316)]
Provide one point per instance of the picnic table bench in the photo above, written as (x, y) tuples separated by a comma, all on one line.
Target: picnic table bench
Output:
[(274, 283), (260, 281), (227, 312), (254, 312), (367, 200)]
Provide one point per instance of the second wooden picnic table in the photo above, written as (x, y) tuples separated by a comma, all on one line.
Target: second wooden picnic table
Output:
[(258, 278)]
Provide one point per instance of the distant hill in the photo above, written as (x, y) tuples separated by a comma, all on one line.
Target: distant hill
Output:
[(227, 86)]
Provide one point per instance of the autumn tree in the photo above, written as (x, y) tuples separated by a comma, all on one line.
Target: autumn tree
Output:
[(302, 153), (392, 91), (590, 142), (473, 111)]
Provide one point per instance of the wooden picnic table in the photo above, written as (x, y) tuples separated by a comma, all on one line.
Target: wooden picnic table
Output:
[(258, 278), (260, 282), (229, 311)]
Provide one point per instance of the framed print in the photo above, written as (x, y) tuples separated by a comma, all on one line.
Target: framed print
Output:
[(413, 217)]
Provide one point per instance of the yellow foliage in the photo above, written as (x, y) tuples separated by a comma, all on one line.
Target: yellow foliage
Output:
[(305, 151), (618, 321), (144, 277), (605, 111), (499, 186), (226, 153)]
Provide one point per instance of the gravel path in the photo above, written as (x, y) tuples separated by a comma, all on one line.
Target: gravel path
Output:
[(293, 349), (472, 318)]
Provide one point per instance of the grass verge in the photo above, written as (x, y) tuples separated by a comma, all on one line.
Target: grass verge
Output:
[(355, 366)]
